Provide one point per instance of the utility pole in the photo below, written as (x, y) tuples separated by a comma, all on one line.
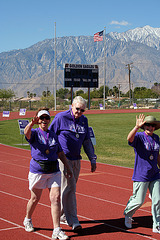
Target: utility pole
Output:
[(55, 69), (119, 93), (132, 94), (129, 72), (104, 91)]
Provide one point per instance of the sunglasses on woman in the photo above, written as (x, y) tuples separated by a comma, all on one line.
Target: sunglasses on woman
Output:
[(44, 117), (149, 124)]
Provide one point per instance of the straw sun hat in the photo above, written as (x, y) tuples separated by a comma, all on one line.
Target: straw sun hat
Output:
[(151, 120)]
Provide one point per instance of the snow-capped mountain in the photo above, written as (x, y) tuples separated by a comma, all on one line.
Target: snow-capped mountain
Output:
[(32, 69), (146, 35)]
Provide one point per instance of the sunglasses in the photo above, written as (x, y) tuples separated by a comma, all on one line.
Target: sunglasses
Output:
[(79, 109), (149, 124), (44, 117)]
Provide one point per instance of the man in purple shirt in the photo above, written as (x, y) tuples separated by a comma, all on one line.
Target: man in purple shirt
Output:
[(146, 173), (72, 129)]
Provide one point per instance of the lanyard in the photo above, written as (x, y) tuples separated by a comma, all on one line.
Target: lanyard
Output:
[(46, 139), (152, 145)]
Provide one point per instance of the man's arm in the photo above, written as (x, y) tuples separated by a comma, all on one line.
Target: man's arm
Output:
[(89, 150)]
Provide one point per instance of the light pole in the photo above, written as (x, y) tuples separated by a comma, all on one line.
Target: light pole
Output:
[(55, 70), (129, 72)]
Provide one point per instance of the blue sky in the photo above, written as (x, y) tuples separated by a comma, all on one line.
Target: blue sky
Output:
[(26, 22)]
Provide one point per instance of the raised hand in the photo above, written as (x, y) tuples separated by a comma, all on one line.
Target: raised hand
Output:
[(34, 120), (140, 120)]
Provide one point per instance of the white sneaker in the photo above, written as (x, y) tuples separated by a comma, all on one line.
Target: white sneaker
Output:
[(128, 221), (28, 225), (150, 196), (59, 235), (63, 221), (156, 230)]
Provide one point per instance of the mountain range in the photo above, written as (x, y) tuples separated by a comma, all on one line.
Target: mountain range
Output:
[(32, 69)]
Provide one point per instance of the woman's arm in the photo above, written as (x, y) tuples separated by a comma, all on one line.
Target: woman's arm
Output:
[(27, 130)]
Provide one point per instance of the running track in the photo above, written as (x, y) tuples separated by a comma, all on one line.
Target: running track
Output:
[(30, 114), (101, 198)]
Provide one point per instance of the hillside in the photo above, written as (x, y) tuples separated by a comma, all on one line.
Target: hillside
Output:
[(32, 69)]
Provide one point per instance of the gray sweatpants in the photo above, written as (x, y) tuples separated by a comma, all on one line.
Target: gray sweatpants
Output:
[(138, 197), (68, 192)]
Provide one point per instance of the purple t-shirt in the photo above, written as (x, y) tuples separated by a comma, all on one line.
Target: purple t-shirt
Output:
[(71, 133), (39, 142), (146, 150)]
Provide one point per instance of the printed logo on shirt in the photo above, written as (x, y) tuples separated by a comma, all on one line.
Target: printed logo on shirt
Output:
[(51, 141), (41, 139), (150, 148), (79, 129), (72, 127)]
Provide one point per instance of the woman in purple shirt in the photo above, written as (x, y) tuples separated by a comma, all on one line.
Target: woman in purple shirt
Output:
[(146, 172), (44, 170)]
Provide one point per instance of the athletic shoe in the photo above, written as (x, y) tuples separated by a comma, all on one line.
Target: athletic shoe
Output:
[(28, 225), (63, 221), (156, 230), (128, 221), (59, 235), (150, 196), (76, 227)]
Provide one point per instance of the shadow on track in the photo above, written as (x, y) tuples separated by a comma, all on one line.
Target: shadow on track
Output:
[(114, 225)]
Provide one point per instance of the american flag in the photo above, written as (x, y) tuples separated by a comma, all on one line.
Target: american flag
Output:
[(98, 36)]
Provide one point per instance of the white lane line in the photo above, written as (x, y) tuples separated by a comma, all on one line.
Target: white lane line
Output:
[(121, 229), (104, 184), (104, 200), (84, 195), (26, 199), (19, 226), (6, 175), (14, 164), (16, 155), (107, 173), (6, 229)]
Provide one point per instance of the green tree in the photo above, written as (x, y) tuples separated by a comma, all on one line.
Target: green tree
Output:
[(143, 92), (47, 101), (101, 91), (79, 92), (6, 94), (116, 91), (44, 94), (28, 94), (62, 93)]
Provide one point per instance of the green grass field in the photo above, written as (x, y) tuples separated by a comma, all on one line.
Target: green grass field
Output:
[(111, 132)]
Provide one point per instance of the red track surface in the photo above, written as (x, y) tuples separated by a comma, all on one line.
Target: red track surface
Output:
[(29, 114), (101, 197)]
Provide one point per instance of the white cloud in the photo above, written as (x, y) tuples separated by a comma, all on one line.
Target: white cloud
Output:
[(122, 23)]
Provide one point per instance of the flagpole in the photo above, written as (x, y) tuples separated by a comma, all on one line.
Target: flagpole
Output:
[(55, 69), (104, 68)]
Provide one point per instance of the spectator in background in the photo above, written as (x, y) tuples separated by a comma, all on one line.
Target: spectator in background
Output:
[(71, 127)]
